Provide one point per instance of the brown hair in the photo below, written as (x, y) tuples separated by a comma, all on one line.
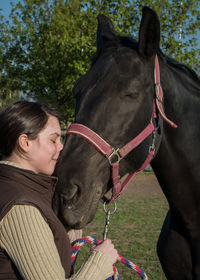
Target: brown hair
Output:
[(22, 117)]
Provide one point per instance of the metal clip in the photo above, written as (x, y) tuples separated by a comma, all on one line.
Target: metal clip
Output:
[(153, 147), (105, 232), (107, 222)]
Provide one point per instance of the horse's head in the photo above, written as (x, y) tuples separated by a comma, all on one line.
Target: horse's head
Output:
[(115, 100)]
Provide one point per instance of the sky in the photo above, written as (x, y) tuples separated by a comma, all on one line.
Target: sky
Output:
[(6, 7)]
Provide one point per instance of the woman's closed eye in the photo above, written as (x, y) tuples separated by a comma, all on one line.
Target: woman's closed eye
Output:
[(53, 141)]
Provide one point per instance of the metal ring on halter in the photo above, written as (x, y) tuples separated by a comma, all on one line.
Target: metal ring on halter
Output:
[(114, 157), (111, 212)]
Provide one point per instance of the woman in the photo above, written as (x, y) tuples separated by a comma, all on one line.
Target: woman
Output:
[(33, 242)]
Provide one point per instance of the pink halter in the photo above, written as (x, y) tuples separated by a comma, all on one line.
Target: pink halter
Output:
[(113, 155)]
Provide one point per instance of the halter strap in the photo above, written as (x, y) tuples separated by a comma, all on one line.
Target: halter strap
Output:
[(159, 93), (94, 139), (113, 155), (102, 146)]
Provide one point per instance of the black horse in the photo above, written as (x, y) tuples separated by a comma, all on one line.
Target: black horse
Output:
[(116, 99)]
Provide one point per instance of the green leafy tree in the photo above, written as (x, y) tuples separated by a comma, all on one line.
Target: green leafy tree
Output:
[(180, 24), (47, 44), (41, 51), (8, 94), (7, 97), (46, 47)]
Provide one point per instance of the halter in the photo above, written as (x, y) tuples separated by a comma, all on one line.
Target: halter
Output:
[(113, 155)]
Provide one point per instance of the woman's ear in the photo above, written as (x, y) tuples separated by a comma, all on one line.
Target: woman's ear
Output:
[(24, 142)]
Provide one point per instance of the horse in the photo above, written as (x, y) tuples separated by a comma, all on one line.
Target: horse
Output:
[(136, 106)]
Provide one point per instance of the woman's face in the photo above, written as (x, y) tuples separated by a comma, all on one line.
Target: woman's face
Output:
[(45, 149)]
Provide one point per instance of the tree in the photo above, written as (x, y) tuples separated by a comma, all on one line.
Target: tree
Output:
[(48, 44), (7, 93), (180, 23), (41, 52), (7, 97)]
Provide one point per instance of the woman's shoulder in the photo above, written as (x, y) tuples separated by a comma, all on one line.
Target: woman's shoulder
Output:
[(17, 213)]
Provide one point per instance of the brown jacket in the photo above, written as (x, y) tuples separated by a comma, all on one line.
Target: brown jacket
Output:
[(18, 186)]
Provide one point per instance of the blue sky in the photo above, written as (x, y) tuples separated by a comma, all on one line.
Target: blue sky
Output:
[(6, 7)]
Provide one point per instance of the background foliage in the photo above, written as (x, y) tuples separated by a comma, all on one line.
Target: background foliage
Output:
[(47, 44)]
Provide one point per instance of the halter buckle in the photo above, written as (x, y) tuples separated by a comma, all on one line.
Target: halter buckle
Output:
[(114, 157)]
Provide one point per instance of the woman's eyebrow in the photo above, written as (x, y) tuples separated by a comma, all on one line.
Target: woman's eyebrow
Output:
[(55, 133)]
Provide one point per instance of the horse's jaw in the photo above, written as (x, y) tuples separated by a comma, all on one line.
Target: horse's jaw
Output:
[(77, 214), (75, 219)]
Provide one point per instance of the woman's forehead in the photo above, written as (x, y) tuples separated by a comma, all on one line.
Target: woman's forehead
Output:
[(52, 127)]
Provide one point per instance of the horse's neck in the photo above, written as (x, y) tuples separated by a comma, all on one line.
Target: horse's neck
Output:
[(178, 86), (179, 148)]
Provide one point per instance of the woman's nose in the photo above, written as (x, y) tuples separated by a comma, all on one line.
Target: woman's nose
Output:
[(60, 146)]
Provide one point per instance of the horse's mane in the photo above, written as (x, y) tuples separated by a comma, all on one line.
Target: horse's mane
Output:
[(180, 66), (133, 44)]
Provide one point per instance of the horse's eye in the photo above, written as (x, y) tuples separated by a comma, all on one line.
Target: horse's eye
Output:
[(129, 95)]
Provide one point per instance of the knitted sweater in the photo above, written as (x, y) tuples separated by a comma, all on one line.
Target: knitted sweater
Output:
[(29, 242)]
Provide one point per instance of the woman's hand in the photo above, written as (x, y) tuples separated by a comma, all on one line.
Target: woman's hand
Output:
[(109, 250)]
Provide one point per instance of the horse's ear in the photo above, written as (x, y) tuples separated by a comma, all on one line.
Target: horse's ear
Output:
[(105, 32), (149, 34)]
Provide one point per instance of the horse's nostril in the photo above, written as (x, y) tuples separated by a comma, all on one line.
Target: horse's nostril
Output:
[(68, 199), (67, 203)]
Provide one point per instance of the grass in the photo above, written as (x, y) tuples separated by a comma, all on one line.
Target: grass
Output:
[(134, 229)]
